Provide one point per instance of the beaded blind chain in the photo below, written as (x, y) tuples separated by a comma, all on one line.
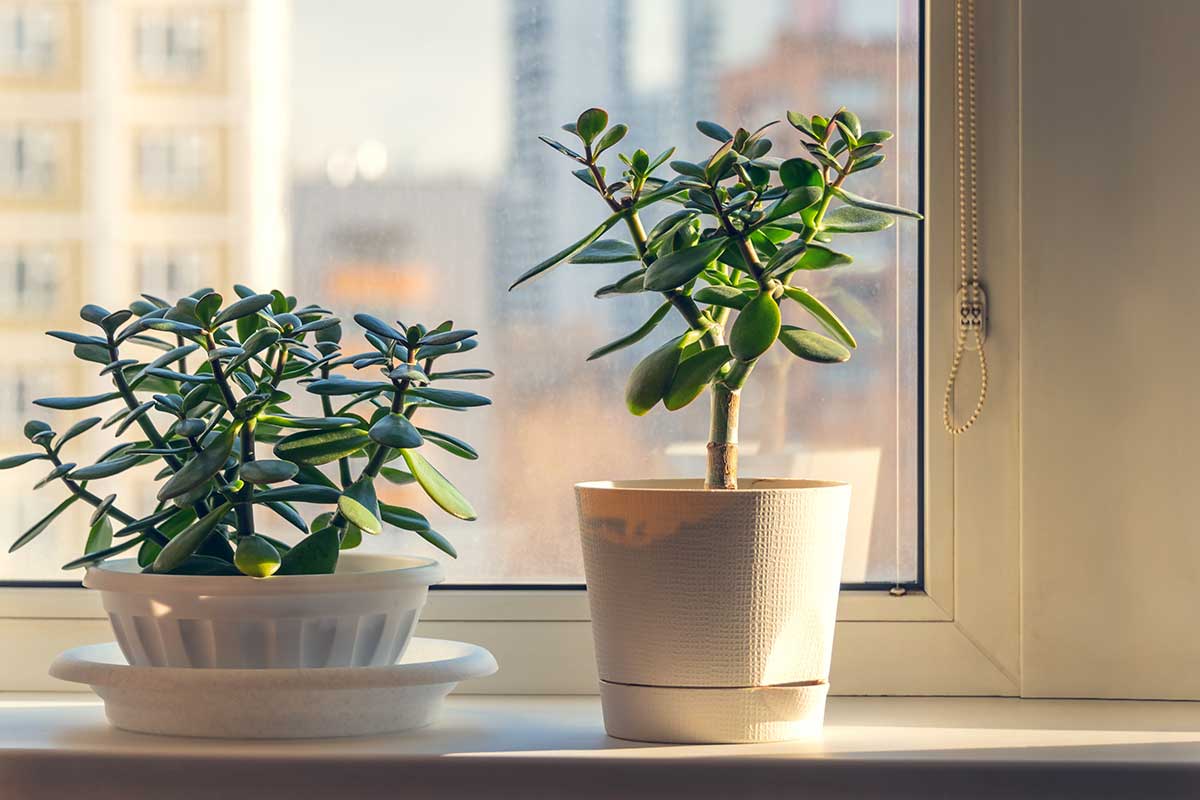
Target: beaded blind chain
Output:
[(971, 301)]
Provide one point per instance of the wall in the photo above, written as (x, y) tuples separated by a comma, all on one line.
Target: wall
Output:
[(1109, 357)]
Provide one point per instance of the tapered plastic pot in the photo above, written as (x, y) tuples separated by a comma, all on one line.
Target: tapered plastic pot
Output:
[(361, 615), (713, 611)]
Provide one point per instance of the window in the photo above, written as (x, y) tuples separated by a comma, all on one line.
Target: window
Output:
[(171, 272), (173, 44), (465, 204), (177, 165), (30, 159), (30, 277), (31, 38)]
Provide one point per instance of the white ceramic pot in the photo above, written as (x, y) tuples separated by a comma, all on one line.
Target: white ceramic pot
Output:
[(362, 615), (713, 611)]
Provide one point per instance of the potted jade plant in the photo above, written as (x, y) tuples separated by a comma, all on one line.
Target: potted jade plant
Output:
[(713, 602), (201, 388)]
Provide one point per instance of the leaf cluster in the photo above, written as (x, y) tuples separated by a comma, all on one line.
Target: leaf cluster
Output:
[(205, 388)]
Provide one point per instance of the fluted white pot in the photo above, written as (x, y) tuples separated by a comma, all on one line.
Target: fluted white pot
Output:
[(362, 615), (713, 611)]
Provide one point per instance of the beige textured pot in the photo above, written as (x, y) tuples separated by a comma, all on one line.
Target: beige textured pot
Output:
[(713, 611)]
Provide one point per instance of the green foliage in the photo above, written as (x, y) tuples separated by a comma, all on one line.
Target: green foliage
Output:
[(196, 408), (746, 224)]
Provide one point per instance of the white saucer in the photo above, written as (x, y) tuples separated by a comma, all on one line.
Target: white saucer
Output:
[(276, 703)]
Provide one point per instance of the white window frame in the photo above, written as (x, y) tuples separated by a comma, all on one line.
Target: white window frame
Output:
[(960, 635)]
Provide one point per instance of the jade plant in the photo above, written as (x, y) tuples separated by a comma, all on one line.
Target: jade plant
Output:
[(203, 398), (746, 224)]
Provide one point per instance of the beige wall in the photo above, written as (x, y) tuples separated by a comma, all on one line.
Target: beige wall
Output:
[(1110, 348)]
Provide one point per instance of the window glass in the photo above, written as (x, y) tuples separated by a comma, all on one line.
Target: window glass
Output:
[(382, 156)]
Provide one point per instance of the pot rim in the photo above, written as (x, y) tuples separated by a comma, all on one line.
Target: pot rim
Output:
[(696, 485), (357, 572)]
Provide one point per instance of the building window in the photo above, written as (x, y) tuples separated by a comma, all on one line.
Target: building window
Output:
[(31, 39), (30, 156), (177, 165), (30, 277), (172, 45), (172, 272)]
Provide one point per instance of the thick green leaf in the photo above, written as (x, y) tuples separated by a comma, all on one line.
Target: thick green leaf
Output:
[(756, 328), (688, 169), (54, 474), (96, 557), (818, 256), (100, 536), (786, 257), (613, 135), (360, 505), (83, 426), (874, 137), (404, 518), (714, 131), (396, 476), (823, 314), (463, 375), (321, 446), (796, 173), (813, 346), (188, 541), (256, 557), (105, 469), (289, 514), (101, 511), (351, 538), (801, 123), (875, 205), (41, 525), (571, 251), (562, 148), (334, 387), (725, 296), (316, 554), (438, 541), (626, 284), (23, 458), (440, 490), (451, 444), (795, 200), (267, 471), (867, 163), (204, 565), (242, 308), (202, 467), (677, 268), (299, 494), (652, 377), (850, 219), (693, 374), (394, 430), (641, 333), (606, 251), (590, 123), (450, 397), (75, 403), (311, 423)]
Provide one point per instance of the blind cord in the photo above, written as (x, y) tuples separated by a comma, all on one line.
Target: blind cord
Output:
[(970, 299)]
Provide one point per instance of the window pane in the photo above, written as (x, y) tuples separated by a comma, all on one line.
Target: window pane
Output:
[(382, 155)]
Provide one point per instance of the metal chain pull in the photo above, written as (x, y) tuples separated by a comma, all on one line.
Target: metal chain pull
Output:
[(971, 301)]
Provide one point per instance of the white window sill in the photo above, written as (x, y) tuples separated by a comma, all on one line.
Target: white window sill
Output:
[(58, 746)]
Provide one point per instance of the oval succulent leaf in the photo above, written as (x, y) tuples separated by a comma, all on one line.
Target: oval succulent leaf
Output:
[(321, 446), (440, 490), (41, 525), (359, 505), (311, 423), (256, 557), (796, 173), (299, 494), (812, 346), (851, 219), (379, 327), (100, 555), (652, 377), (75, 403), (570, 251), (188, 541), (714, 131), (756, 328), (394, 430), (607, 251), (404, 518), (343, 386), (874, 205), (100, 536), (396, 476), (695, 373), (316, 554), (267, 471), (202, 467), (18, 460), (677, 268), (463, 375), (450, 397), (105, 469), (823, 314), (818, 256), (641, 333), (451, 444), (590, 123)]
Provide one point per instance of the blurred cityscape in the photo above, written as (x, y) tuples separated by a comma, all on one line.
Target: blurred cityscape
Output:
[(164, 145)]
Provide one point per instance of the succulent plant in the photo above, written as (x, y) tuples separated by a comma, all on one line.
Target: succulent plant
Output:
[(748, 223), (205, 425)]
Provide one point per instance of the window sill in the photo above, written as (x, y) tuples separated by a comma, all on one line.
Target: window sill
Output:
[(60, 746)]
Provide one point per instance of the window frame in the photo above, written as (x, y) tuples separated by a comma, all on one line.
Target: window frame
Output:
[(956, 634)]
